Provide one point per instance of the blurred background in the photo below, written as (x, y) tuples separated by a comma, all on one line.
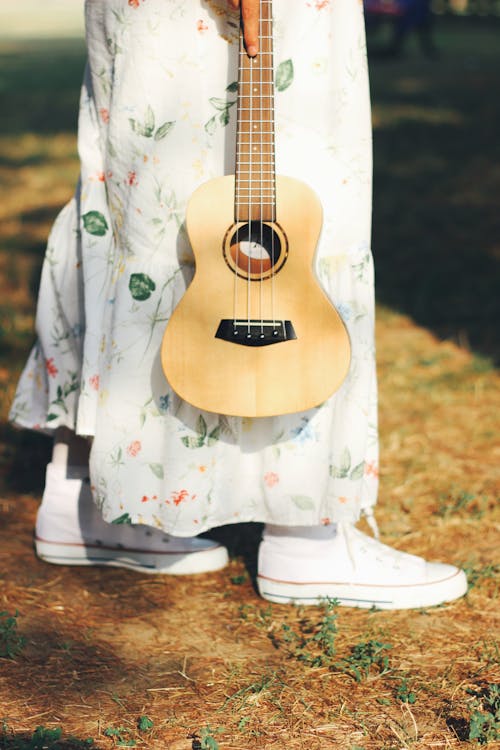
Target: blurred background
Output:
[(33, 18)]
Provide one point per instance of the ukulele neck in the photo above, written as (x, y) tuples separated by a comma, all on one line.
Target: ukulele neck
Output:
[(255, 191)]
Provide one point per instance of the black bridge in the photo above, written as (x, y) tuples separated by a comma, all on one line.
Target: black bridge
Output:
[(255, 332)]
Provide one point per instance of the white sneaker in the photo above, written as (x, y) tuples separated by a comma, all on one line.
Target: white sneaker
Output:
[(71, 531), (340, 562)]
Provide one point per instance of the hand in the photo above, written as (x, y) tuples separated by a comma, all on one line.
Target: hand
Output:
[(250, 17)]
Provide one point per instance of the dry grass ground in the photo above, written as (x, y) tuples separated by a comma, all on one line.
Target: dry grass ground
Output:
[(103, 648)]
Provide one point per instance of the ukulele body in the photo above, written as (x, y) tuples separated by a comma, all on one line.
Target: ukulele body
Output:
[(253, 337)]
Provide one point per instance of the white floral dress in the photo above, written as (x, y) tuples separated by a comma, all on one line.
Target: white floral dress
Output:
[(157, 119)]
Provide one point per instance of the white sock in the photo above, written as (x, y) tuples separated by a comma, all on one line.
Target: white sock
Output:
[(65, 499), (305, 541), (59, 454), (69, 449)]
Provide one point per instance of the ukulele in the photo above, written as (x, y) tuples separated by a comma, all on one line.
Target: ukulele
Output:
[(255, 335)]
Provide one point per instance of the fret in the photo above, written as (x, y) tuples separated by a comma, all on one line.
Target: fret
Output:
[(252, 144), (260, 186), (255, 213), (259, 166), (254, 186), (256, 172), (243, 163), (254, 207), (253, 135), (265, 36), (255, 195), (262, 139), (255, 180), (259, 170), (265, 138)]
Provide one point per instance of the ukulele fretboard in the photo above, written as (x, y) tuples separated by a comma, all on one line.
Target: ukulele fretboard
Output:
[(255, 191)]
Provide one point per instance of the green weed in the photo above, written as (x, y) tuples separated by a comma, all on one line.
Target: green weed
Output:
[(205, 740), (477, 575), (42, 739), (404, 694), (460, 502), (484, 722), (243, 722), (489, 653), (121, 734), (363, 657), (239, 580), (144, 724), (324, 638), (260, 616), (11, 643), (309, 642), (482, 364)]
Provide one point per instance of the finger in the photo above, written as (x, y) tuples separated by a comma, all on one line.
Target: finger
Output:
[(250, 17)]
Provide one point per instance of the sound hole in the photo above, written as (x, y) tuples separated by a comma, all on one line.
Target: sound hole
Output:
[(255, 250)]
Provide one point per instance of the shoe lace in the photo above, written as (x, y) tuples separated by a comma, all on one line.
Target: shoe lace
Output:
[(344, 528), (372, 522), (352, 542)]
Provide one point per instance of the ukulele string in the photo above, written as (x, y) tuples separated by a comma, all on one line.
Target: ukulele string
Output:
[(261, 115), (272, 166), (250, 183), (241, 72)]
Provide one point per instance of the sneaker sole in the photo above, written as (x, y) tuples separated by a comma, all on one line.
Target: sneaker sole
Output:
[(154, 563), (411, 596)]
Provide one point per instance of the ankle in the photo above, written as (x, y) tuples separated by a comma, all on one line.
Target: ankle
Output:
[(65, 472), (70, 449), (318, 533), (297, 542)]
